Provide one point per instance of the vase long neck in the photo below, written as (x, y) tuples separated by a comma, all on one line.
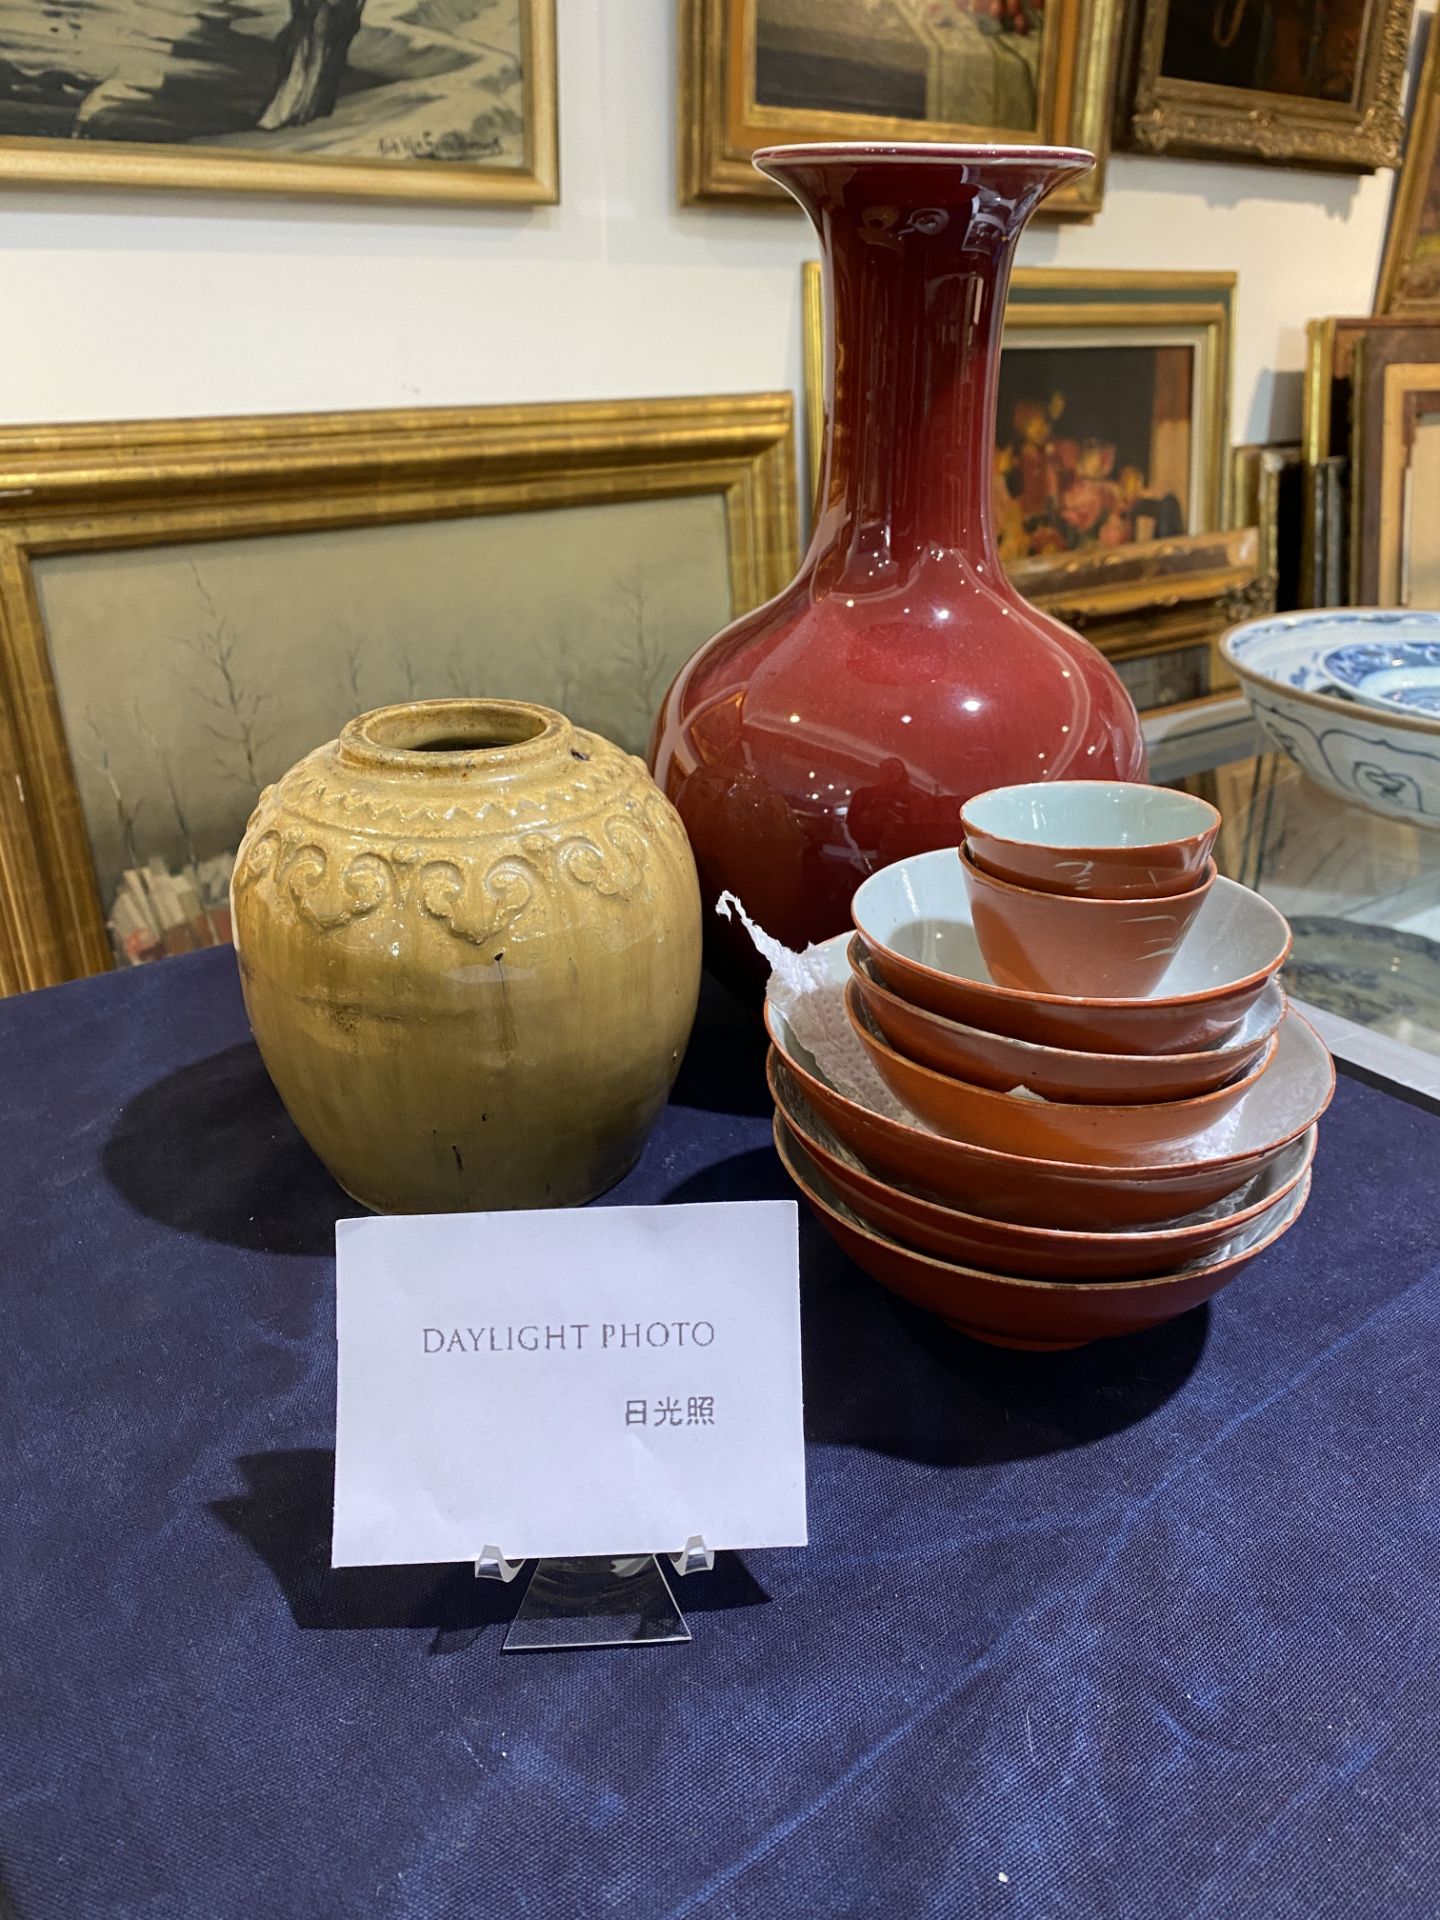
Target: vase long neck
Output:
[(910, 444), (917, 249)]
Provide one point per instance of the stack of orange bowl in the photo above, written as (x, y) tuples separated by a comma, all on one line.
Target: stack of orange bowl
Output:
[(1067, 1097)]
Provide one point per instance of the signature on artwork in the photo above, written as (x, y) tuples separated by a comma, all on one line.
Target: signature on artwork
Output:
[(437, 146)]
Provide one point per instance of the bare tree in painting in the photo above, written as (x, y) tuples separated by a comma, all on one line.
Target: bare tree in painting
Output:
[(126, 817), (567, 689), (639, 655), (182, 819), (409, 673), (458, 672), (349, 670), (236, 726)]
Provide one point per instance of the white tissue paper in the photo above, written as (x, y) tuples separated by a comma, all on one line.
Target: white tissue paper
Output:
[(803, 991)]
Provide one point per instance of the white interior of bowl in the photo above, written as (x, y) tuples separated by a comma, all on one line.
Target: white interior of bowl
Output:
[(908, 1071), (1262, 1016), (1275, 1174), (1286, 650), (1248, 1236), (919, 909), (1089, 814), (1292, 1092)]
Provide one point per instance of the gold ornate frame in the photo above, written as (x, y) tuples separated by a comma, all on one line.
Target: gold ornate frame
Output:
[(1160, 115), (1422, 156), (1409, 390), (113, 163), (1098, 297), (1414, 344), (86, 489), (721, 125), (1157, 599)]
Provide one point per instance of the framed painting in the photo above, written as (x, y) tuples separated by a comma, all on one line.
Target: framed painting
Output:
[(1113, 420), (1267, 492), (1324, 554), (1410, 488), (1337, 469), (1157, 609), (1394, 370), (331, 97), (188, 607), (1410, 270), (757, 72), (1333, 350), (1302, 82)]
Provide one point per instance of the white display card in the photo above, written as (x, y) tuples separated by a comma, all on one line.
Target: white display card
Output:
[(597, 1380)]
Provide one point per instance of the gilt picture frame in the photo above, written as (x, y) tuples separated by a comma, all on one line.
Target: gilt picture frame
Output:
[(1157, 610), (1124, 321), (370, 99), (1407, 552), (1266, 80), (1377, 441), (755, 73), (1409, 284), (1267, 489), (186, 607)]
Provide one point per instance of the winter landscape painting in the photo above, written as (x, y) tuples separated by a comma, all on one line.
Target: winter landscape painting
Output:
[(460, 91), (189, 677)]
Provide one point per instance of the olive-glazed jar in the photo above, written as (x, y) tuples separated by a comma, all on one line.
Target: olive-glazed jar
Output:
[(469, 942)]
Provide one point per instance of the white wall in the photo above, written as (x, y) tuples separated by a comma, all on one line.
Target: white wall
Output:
[(125, 305)]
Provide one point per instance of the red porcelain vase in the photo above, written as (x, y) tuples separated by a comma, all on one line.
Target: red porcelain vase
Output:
[(844, 724)]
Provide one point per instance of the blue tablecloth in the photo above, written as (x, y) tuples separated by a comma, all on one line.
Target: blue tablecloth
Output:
[(1146, 1629)]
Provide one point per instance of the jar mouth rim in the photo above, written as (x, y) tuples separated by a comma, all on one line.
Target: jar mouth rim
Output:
[(454, 735)]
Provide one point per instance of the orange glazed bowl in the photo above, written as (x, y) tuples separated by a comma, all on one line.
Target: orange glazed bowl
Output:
[(1060, 1073), (920, 1220), (1039, 1192), (1108, 839), (1006, 1311), (914, 918), (1075, 943), (1098, 1136)]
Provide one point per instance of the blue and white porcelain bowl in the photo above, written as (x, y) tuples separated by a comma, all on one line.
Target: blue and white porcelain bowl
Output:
[(1384, 757), (1396, 673)]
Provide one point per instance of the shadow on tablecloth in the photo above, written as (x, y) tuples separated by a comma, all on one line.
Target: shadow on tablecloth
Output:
[(284, 1517), (881, 1374), (209, 1150)]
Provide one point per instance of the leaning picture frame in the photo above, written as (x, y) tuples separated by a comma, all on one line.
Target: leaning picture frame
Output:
[(1406, 558), (187, 607), (353, 99), (1252, 79), (1409, 283), (1380, 437), (1112, 332), (1267, 492), (757, 73)]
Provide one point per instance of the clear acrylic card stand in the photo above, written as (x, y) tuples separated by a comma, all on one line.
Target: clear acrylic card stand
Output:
[(598, 1601)]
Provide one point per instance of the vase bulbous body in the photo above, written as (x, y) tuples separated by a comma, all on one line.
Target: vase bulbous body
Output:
[(469, 943), (844, 724)]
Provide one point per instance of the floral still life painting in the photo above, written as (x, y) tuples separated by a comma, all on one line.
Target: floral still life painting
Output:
[(1093, 448)]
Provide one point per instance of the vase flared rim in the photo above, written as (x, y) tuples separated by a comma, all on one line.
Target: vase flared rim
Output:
[(937, 152)]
